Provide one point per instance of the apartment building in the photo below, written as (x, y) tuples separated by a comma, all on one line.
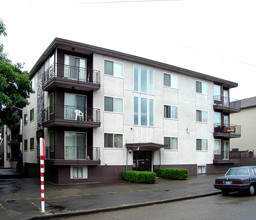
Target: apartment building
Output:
[(246, 118), (101, 112)]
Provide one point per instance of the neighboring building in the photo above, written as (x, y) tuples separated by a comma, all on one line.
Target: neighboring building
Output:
[(11, 144), (102, 112), (246, 118)]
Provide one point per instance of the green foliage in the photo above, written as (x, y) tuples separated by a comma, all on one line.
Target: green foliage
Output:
[(139, 176), (15, 86), (172, 173)]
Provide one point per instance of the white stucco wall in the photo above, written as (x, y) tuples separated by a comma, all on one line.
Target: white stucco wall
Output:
[(185, 128)]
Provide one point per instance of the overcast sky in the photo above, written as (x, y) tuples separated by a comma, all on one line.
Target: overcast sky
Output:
[(215, 37)]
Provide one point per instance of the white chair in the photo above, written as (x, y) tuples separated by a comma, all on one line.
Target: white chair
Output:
[(79, 114)]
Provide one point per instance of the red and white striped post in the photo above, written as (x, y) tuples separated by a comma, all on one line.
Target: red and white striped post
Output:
[(42, 157)]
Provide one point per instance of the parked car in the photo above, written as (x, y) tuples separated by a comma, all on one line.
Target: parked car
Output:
[(238, 179)]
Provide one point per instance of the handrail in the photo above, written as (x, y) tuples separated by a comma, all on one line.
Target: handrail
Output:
[(64, 71), (225, 101), (68, 112), (227, 128)]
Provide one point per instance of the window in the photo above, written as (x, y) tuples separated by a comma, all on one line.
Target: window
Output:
[(32, 115), (217, 147), (33, 84), (201, 116), (72, 104), (171, 142), (51, 103), (51, 141), (217, 93), (25, 145), (151, 112), (75, 145), (144, 111), (201, 87), (143, 79), (75, 68), (217, 118), (201, 144), (113, 140), (113, 68), (170, 80), (78, 172), (171, 112), (25, 119), (32, 144), (113, 104), (136, 110)]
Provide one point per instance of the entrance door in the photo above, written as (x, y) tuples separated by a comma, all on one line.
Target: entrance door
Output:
[(142, 160)]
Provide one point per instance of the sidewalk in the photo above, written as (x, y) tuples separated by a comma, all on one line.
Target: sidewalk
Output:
[(20, 198)]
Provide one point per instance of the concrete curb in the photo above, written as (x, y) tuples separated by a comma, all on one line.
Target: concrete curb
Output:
[(107, 209)]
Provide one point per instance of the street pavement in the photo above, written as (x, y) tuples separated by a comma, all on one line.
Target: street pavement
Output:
[(20, 197)]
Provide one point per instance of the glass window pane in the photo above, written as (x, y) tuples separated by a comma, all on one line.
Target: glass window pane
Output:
[(217, 147), (204, 144), (204, 88), (118, 69), (108, 67), (174, 143), (81, 148), (136, 110), (118, 105), (70, 145), (167, 80), (143, 111), (151, 112), (108, 140), (198, 115), (217, 93), (167, 111), (217, 118), (167, 142), (174, 112), (118, 140), (174, 81), (108, 104), (136, 78), (198, 144), (205, 116), (151, 81), (198, 87), (144, 79)]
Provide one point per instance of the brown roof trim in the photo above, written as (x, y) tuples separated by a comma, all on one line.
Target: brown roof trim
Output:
[(144, 146), (107, 52)]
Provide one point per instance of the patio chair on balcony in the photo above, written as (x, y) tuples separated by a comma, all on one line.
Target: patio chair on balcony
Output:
[(79, 114)]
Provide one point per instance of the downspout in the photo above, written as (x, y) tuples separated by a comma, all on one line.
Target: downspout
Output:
[(126, 167), (160, 158)]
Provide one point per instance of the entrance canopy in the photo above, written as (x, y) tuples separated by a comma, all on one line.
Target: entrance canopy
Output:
[(144, 146)]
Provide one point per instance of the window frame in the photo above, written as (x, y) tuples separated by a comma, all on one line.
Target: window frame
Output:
[(114, 146), (25, 145), (199, 147), (201, 116), (32, 146), (171, 80), (25, 119), (114, 107), (170, 143), (168, 112), (114, 74), (32, 114), (203, 89)]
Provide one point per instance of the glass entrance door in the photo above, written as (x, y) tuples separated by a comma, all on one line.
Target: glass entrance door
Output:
[(225, 150), (142, 160)]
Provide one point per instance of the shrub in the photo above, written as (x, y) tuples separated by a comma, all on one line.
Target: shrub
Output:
[(172, 173), (139, 176)]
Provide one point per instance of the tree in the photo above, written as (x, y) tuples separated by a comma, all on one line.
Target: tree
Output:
[(15, 86)]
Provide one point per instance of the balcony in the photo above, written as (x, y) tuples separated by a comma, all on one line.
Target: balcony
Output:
[(71, 77), (65, 115), (74, 156), (227, 131), (224, 104), (218, 159)]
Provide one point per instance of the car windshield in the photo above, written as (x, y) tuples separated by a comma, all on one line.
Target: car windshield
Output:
[(238, 172)]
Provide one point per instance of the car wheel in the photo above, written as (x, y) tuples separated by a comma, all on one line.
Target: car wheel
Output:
[(251, 190)]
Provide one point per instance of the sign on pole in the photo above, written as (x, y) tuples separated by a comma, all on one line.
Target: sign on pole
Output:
[(42, 157)]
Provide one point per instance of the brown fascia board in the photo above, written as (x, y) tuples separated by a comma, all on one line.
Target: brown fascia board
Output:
[(58, 42)]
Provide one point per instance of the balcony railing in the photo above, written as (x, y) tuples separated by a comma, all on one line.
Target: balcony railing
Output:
[(227, 130), (75, 73), (74, 153), (226, 103), (75, 113)]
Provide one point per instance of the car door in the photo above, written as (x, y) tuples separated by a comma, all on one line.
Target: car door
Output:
[(254, 174)]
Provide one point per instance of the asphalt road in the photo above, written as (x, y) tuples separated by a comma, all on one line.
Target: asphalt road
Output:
[(234, 206)]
